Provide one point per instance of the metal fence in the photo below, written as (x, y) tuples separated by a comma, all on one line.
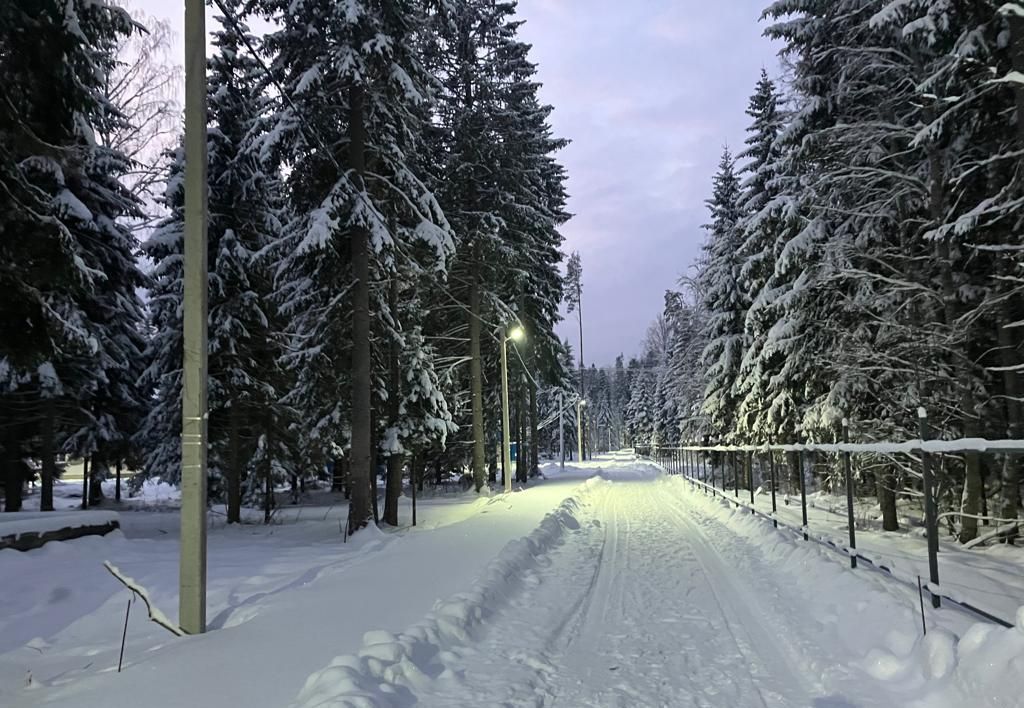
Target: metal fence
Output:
[(780, 476)]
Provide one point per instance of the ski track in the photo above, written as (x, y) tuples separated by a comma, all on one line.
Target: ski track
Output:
[(637, 608)]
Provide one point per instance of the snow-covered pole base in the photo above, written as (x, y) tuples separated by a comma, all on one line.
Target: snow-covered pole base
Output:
[(154, 612)]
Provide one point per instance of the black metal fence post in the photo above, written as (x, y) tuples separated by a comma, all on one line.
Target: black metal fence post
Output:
[(930, 517), (848, 465), (735, 476), (803, 492), (771, 473)]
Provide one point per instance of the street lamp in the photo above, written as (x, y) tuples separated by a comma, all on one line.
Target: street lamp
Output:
[(579, 426), (516, 334)]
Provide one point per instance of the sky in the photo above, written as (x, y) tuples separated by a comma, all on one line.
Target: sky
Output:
[(649, 92)]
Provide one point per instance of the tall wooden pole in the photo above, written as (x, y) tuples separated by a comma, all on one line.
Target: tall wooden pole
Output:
[(192, 578)]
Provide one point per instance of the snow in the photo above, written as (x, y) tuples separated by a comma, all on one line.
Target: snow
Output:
[(607, 583), (282, 600), (41, 522)]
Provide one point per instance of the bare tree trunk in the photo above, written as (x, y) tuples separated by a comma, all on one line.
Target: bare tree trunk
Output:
[(49, 461), (360, 510), (234, 467), (476, 372), (117, 481)]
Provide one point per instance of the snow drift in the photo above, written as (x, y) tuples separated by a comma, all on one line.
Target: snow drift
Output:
[(387, 666)]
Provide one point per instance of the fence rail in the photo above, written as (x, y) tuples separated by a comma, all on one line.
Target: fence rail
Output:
[(722, 470)]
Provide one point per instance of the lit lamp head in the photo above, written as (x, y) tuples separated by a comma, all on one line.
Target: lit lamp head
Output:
[(583, 402), (516, 333)]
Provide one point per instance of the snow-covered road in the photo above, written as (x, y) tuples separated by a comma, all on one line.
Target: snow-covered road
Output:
[(608, 584), (640, 609), (641, 591)]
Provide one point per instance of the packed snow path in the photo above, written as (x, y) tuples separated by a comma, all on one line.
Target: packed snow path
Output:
[(647, 594), (640, 610)]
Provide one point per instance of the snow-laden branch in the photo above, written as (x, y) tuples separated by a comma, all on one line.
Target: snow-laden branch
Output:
[(154, 612)]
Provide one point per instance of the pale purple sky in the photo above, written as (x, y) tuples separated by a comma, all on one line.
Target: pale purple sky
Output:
[(648, 91)]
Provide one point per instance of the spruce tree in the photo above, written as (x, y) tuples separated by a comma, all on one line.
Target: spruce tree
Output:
[(724, 299)]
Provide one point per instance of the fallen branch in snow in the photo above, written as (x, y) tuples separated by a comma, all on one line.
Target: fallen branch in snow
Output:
[(154, 613), (998, 532)]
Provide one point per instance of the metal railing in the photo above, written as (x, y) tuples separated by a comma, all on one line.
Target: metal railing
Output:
[(726, 470)]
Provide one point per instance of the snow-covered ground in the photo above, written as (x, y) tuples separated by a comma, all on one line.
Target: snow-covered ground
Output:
[(628, 589), (990, 578), (283, 599)]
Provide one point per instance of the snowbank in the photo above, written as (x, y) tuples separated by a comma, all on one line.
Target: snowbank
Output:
[(388, 665), (956, 664), (983, 669)]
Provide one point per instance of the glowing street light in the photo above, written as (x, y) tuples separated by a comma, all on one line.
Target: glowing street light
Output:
[(517, 333), (579, 426)]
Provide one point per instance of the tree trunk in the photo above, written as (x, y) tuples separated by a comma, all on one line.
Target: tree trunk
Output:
[(971, 500), (374, 477), (85, 482), (438, 473), (476, 372), (49, 461), (117, 481), (98, 470), (393, 486), (337, 476), (234, 466), (886, 481), (360, 509), (268, 476), (393, 491), (1011, 390), (12, 473)]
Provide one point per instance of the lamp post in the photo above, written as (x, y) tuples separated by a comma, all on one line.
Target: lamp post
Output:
[(579, 427), (516, 334)]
